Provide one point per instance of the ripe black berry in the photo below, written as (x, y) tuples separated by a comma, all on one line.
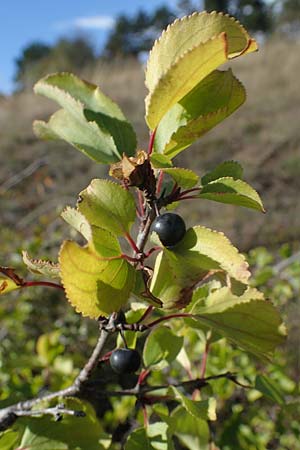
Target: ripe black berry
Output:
[(170, 228), (125, 360)]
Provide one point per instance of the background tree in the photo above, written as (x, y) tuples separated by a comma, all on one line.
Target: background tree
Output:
[(38, 59), (132, 36)]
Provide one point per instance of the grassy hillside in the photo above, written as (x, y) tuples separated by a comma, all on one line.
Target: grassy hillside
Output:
[(38, 178)]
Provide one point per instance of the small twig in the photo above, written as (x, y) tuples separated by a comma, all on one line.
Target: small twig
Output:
[(10, 414), (19, 177), (57, 412), (147, 313), (42, 283), (282, 265), (204, 359), (168, 317), (151, 142), (159, 182)]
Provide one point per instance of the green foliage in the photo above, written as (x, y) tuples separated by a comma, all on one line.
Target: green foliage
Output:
[(133, 35), (88, 120), (38, 59), (201, 286)]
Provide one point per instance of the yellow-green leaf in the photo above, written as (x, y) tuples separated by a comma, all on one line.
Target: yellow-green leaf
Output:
[(77, 220), (178, 270), (235, 192), (226, 169), (41, 267), (185, 178), (107, 205), (204, 409), (7, 285), (186, 53), (88, 120), (247, 320), (209, 103), (94, 286)]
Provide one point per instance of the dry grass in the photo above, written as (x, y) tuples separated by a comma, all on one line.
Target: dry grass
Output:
[(263, 135)]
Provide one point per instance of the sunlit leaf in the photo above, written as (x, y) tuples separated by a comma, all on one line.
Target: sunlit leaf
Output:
[(203, 409), (77, 220), (68, 434), (7, 285), (191, 431), (159, 160), (88, 120), (41, 267), (178, 270), (94, 286), (269, 389), (155, 437), (185, 178), (209, 103), (107, 205), (247, 320), (226, 169), (235, 192), (161, 345), (176, 64)]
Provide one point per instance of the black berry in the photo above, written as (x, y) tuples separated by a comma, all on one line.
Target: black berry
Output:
[(125, 360), (170, 228)]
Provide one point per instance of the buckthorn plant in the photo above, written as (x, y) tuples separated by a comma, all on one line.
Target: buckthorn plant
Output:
[(163, 307)]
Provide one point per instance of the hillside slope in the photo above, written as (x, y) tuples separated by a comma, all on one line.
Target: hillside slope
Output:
[(38, 178)]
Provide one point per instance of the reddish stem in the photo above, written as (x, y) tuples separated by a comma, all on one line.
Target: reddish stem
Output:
[(159, 182), (132, 243), (188, 197), (147, 313), (141, 204), (204, 360), (143, 375), (42, 283), (151, 142), (105, 357), (188, 191), (145, 415), (121, 256), (170, 316), (152, 250)]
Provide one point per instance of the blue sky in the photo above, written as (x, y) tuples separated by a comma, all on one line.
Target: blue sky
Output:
[(25, 21)]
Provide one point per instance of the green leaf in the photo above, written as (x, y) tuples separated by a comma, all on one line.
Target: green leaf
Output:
[(192, 432), (269, 389), (176, 64), (178, 270), (185, 178), (204, 409), (226, 169), (101, 241), (10, 439), (77, 220), (161, 345), (7, 285), (68, 434), (159, 161), (155, 437), (138, 439), (209, 103), (94, 286), (107, 205), (235, 192), (247, 320), (41, 267), (88, 120)]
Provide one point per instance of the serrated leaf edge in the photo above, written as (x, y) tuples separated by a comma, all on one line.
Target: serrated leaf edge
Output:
[(187, 18)]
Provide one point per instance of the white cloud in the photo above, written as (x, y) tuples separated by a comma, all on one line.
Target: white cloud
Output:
[(89, 22)]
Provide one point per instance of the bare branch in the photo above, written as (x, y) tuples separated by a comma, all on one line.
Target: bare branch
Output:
[(10, 414)]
